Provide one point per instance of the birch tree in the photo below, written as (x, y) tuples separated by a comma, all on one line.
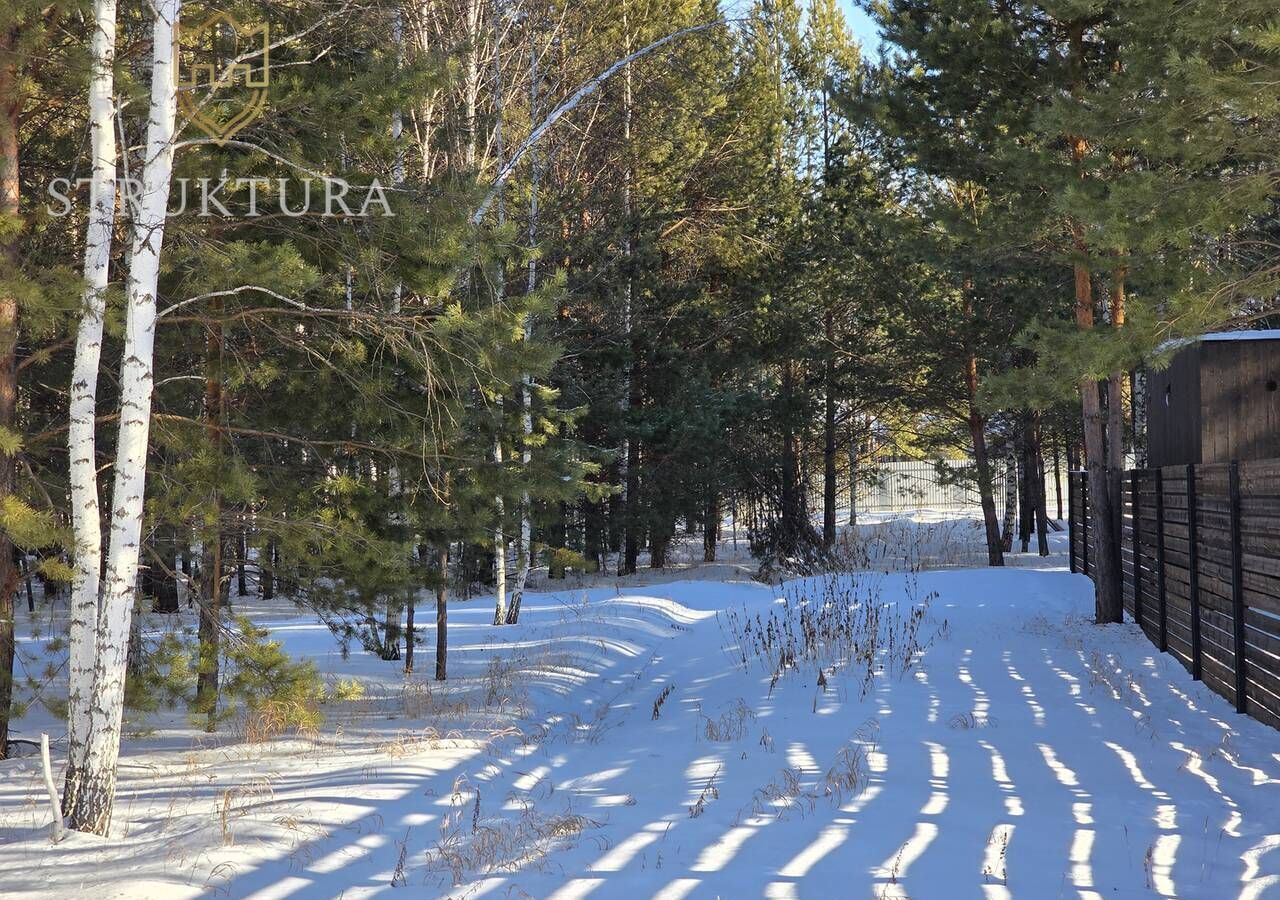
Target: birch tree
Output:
[(499, 536), (524, 546), (95, 796), (629, 455), (81, 442), (471, 87)]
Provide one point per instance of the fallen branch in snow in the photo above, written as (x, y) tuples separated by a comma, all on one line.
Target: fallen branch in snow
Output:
[(709, 792), (54, 803), (662, 698)]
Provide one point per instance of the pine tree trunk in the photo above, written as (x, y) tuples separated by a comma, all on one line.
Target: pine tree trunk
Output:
[(213, 557), (853, 476), (829, 368), (95, 800), (442, 613), (1115, 388), (266, 571), (409, 637), (86, 521), (592, 534), (1105, 552), (391, 630), (242, 551), (26, 577), (829, 444), (1042, 501), (982, 462), (1027, 503), (659, 542), (1010, 500), (1057, 480), (794, 518), (9, 192), (164, 578), (711, 533), (733, 519), (1115, 412), (148, 582), (210, 629), (8, 647), (630, 510)]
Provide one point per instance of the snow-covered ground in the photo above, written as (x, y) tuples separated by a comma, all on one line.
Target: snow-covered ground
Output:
[(1024, 753)]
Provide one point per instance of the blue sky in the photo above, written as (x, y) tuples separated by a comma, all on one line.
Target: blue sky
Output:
[(861, 25)]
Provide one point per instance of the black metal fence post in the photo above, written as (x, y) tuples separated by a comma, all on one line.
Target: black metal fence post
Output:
[(1135, 483), (1194, 571), (1162, 598), (1071, 522), (1084, 522), (1237, 589)]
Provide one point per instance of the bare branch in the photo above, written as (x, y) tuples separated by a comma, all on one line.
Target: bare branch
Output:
[(568, 105)]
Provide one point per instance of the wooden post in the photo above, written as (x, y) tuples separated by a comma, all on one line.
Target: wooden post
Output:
[(1135, 486), (1237, 589), (1161, 595), (1193, 550)]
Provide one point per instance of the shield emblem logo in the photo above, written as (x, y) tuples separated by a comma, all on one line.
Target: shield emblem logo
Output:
[(222, 87)]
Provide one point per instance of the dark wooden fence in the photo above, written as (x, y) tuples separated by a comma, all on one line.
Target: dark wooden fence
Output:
[(1200, 551)]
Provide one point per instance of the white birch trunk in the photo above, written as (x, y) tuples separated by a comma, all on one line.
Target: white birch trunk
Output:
[(471, 84), (499, 551), (81, 443), (624, 455), (524, 547), (499, 537), (97, 791), (397, 136)]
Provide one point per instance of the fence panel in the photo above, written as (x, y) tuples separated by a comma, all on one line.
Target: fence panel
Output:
[(946, 485), (1148, 542), (1259, 571), (1200, 571), (925, 484), (1127, 567), (1078, 522)]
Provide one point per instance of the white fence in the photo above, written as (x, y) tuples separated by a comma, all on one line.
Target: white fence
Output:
[(932, 484)]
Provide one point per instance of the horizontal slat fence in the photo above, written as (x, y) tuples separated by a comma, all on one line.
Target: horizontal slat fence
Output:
[(1200, 571)]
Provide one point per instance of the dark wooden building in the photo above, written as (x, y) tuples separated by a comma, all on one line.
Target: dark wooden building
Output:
[(1217, 401)]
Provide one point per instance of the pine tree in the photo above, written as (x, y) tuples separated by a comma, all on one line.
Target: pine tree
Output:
[(35, 296)]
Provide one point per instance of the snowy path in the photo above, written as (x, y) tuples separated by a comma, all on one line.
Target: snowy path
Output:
[(1030, 754)]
